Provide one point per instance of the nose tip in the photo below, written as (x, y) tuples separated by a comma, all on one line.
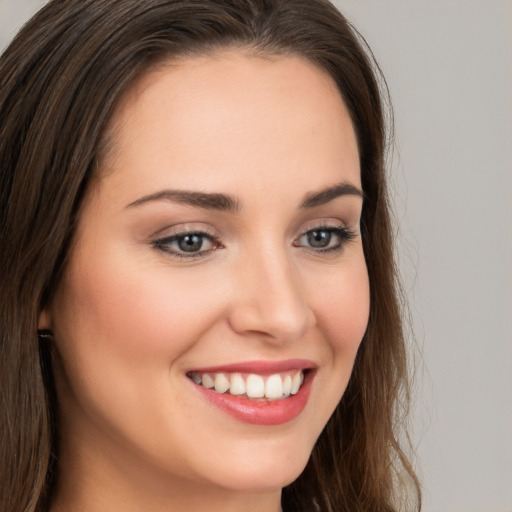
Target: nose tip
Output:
[(284, 328), (275, 308)]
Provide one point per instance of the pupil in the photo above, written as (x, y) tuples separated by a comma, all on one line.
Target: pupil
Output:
[(190, 243), (319, 238)]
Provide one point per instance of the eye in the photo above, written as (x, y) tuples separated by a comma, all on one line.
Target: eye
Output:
[(325, 239), (188, 245), (319, 239)]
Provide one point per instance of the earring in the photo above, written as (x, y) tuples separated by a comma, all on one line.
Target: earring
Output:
[(44, 334)]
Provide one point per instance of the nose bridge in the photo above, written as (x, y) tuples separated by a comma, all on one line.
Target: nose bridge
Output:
[(273, 299)]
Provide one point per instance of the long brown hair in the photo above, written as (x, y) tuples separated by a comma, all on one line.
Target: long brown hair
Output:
[(60, 81)]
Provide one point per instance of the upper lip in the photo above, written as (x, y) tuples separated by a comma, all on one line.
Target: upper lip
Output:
[(259, 367)]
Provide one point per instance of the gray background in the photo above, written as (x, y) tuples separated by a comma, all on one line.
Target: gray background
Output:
[(449, 68)]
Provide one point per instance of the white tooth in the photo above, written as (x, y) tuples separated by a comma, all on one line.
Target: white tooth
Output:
[(296, 382), (287, 385), (255, 387), (221, 383), (274, 386), (207, 381), (196, 378), (237, 384)]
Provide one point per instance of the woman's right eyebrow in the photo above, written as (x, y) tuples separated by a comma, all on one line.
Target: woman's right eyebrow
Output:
[(208, 201)]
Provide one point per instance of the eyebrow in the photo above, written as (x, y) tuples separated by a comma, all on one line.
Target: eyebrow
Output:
[(208, 201), (326, 195), (226, 203)]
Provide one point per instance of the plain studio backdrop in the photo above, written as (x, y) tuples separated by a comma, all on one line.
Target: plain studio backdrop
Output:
[(448, 64)]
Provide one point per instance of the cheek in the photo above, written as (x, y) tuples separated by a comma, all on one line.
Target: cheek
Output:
[(343, 311), (135, 311), (121, 329), (341, 301)]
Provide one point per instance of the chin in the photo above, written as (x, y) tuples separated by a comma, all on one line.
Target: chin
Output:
[(270, 479), (263, 472)]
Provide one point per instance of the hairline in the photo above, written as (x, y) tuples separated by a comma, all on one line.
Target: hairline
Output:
[(108, 144)]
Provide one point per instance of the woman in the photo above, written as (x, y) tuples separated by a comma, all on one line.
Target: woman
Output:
[(199, 305)]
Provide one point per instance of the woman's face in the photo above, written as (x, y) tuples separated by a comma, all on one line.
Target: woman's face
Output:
[(219, 246)]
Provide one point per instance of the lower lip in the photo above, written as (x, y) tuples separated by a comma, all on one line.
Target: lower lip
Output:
[(256, 412)]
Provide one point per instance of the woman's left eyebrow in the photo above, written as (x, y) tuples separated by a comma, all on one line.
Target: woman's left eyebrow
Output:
[(326, 195), (208, 201)]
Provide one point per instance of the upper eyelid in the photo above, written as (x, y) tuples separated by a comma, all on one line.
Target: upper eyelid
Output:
[(182, 230), (186, 232), (324, 225), (188, 229), (180, 234), (338, 228), (194, 227)]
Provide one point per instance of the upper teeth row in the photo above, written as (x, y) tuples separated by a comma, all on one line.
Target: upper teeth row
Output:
[(272, 387)]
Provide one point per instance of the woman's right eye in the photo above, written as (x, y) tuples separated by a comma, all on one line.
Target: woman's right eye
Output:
[(188, 245)]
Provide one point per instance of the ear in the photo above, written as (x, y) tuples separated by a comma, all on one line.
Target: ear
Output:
[(45, 320)]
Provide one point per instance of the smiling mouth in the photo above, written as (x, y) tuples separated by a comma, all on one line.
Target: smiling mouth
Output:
[(252, 386)]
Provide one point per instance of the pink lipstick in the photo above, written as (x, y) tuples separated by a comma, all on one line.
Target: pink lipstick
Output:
[(257, 392)]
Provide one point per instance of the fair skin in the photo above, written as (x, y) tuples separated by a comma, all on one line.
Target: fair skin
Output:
[(264, 275)]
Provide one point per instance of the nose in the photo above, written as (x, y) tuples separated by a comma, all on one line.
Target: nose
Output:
[(271, 301)]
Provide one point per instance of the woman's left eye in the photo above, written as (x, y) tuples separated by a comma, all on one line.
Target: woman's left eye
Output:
[(325, 239), (187, 245)]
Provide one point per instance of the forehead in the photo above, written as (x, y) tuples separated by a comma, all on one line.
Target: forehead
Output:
[(232, 114)]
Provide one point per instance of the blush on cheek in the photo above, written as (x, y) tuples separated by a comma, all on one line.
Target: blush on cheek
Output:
[(148, 310), (345, 315)]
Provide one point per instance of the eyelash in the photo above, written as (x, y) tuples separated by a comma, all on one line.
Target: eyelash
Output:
[(164, 244), (343, 234)]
